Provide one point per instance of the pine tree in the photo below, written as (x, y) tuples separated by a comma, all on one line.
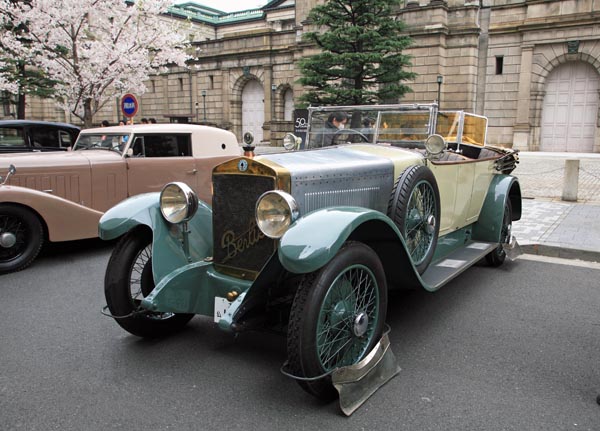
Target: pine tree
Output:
[(361, 60)]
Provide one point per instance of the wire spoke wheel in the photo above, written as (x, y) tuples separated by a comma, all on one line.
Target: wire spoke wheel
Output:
[(128, 280), (418, 227), (141, 282), (337, 316), (348, 318), (414, 206)]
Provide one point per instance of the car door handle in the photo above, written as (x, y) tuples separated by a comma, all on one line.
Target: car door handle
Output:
[(193, 171)]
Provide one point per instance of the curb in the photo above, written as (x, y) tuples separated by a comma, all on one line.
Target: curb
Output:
[(561, 252)]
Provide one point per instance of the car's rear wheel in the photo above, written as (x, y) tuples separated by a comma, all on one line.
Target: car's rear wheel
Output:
[(498, 255), (21, 237), (414, 206), (128, 280), (337, 316)]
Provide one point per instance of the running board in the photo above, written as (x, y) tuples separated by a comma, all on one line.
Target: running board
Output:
[(444, 270)]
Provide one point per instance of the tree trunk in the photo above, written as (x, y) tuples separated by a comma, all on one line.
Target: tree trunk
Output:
[(88, 117), (21, 106)]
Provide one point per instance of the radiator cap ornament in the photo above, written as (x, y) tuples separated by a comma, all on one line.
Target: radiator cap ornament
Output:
[(243, 165)]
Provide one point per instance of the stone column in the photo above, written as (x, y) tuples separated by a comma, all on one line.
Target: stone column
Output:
[(194, 103), (226, 91), (522, 123), (268, 106)]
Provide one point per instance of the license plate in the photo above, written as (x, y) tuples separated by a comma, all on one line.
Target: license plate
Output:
[(221, 307)]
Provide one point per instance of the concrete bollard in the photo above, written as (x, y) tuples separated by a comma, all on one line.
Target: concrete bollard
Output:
[(571, 180)]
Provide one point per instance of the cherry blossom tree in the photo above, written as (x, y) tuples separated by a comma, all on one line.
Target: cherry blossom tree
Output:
[(95, 50)]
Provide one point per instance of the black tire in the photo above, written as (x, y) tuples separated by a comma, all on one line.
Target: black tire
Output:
[(414, 206), (21, 237), (128, 280), (498, 255), (327, 300)]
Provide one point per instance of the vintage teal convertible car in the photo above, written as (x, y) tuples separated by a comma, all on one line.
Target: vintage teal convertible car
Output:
[(312, 239)]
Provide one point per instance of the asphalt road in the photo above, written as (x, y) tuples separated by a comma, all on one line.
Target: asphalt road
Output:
[(514, 348)]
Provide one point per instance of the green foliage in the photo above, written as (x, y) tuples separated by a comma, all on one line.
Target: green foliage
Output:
[(361, 60)]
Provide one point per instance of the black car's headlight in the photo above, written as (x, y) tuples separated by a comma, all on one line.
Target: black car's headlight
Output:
[(275, 212), (178, 202)]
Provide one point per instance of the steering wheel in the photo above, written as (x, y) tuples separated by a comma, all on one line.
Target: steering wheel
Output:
[(343, 136)]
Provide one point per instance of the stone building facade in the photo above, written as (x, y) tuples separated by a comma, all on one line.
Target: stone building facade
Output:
[(531, 66)]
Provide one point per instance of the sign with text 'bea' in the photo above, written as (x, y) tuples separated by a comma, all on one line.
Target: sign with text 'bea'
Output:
[(129, 105)]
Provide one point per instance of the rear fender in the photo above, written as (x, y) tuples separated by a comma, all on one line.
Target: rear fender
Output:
[(168, 241), (489, 224)]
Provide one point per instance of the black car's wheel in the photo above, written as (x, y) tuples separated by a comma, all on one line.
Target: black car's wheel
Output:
[(21, 237), (337, 316), (128, 280), (414, 206), (498, 255)]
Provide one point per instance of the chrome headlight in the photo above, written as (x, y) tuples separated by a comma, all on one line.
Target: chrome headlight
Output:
[(291, 141), (178, 202), (275, 212)]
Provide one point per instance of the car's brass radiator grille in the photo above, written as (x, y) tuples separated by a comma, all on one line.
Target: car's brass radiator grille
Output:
[(239, 246)]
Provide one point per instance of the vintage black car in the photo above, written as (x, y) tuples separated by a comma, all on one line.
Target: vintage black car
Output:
[(313, 239), (18, 136)]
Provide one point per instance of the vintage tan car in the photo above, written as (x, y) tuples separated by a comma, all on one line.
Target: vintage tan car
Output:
[(61, 196)]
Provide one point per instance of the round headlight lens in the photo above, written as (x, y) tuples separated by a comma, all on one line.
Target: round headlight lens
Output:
[(275, 212), (178, 202), (435, 144), (291, 141)]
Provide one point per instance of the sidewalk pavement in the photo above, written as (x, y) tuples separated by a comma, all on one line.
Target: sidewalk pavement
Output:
[(550, 226)]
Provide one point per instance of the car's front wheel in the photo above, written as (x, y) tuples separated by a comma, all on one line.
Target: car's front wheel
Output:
[(21, 237), (128, 280), (337, 316)]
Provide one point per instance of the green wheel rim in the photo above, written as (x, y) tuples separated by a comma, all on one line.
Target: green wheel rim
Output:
[(419, 225), (348, 318)]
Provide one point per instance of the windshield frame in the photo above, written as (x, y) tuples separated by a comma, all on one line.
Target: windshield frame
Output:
[(117, 142)]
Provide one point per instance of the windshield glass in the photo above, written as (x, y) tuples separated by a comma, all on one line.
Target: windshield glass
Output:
[(402, 125), (109, 141)]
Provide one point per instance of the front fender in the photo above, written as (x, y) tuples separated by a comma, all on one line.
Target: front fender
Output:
[(137, 210), (172, 246), (65, 220), (313, 240)]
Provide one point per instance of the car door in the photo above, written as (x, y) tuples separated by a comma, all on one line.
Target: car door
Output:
[(157, 159)]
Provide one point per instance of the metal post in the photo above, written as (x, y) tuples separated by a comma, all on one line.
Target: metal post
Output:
[(204, 103)]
